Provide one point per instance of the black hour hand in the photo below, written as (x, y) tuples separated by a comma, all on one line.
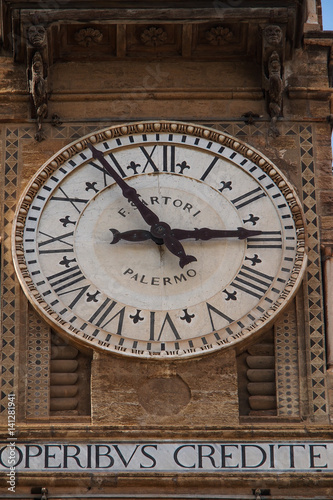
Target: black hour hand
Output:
[(134, 235)]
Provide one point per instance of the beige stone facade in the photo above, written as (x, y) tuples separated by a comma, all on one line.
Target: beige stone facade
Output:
[(261, 72)]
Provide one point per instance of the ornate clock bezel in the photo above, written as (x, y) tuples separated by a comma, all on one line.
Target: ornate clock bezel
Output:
[(56, 161)]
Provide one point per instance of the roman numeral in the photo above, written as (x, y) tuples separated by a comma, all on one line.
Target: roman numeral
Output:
[(52, 239), (211, 309), (248, 198), (148, 157), (169, 161), (64, 282), (167, 321), (117, 164), (273, 240), (72, 201), (252, 282), (209, 168), (102, 316), (101, 169)]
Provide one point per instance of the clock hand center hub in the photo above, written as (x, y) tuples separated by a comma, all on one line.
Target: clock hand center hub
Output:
[(160, 229)]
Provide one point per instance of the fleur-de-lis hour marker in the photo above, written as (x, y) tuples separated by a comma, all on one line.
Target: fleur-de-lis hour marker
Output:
[(136, 318), (225, 185), (230, 295), (134, 166), (65, 261), (65, 221), (91, 185), (187, 317), (251, 219), (182, 166), (92, 297), (254, 260)]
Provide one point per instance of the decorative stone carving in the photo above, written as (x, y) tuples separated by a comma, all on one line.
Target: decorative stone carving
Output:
[(261, 377), (154, 37), (275, 89), (69, 379), (44, 494), (37, 57), (38, 91), (88, 36), (219, 36), (37, 36), (250, 117), (273, 53), (287, 371), (273, 35), (38, 376), (56, 120)]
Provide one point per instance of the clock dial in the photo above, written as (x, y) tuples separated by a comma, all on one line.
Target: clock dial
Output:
[(105, 266)]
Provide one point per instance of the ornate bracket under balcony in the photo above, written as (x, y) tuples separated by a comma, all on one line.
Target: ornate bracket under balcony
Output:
[(272, 70), (37, 71)]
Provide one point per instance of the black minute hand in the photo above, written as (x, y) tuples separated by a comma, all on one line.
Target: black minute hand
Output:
[(207, 234), (129, 193), (159, 230)]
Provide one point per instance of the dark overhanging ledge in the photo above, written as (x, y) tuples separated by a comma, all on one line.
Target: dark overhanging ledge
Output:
[(278, 14)]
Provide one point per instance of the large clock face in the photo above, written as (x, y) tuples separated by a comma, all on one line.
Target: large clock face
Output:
[(101, 267)]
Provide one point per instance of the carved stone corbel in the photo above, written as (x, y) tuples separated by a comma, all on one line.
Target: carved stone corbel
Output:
[(37, 60), (272, 72)]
